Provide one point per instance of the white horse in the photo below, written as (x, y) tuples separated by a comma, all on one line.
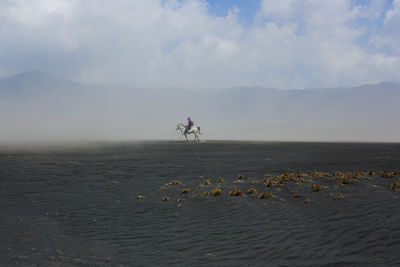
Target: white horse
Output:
[(185, 131)]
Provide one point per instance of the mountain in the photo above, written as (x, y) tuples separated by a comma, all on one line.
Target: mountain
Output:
[(39, 107)]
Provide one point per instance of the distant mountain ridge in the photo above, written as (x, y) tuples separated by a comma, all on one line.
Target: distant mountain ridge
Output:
[(48, 107)]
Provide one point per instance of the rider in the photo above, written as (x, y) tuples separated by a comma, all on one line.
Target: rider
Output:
[(190, 124)]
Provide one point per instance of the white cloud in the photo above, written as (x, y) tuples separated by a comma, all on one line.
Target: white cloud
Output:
[(153, 43)]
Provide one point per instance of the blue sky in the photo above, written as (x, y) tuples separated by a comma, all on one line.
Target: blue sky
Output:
[(204, 44)]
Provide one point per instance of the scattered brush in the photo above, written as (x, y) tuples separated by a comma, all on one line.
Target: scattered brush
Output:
[(251, 190), (240, 176), (207, 182), (174, 182), (346, 179), (265, 195), (206, 193), (386, 174), (371, 172), (320, 174), (200, 186), (269, 182), (316, 187), (236, 192), (220, 180), (396, 185), (216, 191), (165, 198), (299, 174), (307, 201), (185, 190), (140, 197)]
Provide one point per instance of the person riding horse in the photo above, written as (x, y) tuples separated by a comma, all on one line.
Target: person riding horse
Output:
[(190, 124)]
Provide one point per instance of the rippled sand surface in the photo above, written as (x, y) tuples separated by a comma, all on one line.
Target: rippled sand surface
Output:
[(81, 206)]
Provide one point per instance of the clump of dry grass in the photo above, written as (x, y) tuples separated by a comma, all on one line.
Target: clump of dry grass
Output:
[(216, 191), (240, 176), (206, 193), (307, 201), (346, 179), (140, 197), (371, 172), (320, 174), (251, 190), (200, 186), (185, 190), (236, 192), (316, 187), (207, 182), (396, 185), (265, 195), (269, 182), (386, 174), (175, 182), (220, 180), (165, 198), (299, 174)]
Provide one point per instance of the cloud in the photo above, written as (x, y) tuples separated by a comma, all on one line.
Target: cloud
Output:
[(154, 43)]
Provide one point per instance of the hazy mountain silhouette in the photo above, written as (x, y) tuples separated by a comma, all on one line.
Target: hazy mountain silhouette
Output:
[(38, 106)]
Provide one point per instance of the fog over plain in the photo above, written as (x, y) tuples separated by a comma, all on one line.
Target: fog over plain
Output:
[(128, 70)]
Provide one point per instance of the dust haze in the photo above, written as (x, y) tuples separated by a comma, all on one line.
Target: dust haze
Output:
[(39, 108)]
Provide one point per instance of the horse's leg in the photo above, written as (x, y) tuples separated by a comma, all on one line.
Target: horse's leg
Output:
[(186, 137)]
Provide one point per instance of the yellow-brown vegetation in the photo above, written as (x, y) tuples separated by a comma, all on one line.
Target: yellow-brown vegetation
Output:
[(396, 185), (316, 187), (185, 190), (207, 182), (216, 191), (265, 194), (236, 192), (165, 198)]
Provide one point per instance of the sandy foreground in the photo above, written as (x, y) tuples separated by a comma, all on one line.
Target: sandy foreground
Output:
[(221, 203)]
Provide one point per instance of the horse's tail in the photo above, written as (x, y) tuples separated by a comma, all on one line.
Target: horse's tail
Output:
[(198, 127)]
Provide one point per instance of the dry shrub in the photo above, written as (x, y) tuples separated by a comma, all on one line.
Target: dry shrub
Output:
[(396, 185), (220, 180), (216, 191), (316, 187), (269, 182), (307, 201), (251, 190), (240, 176), (320, 174), (165, 198), (346, 179), (296, 195), (236, 192), (386, 174), (174, 182), (207, 182), (140, 197), (206, 193), (371, 172), (266, 194), (185, 190)]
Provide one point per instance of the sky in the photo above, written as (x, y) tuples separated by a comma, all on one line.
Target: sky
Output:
[(198, 44)]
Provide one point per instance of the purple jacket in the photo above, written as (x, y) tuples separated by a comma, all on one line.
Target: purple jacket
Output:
[(190, 122)]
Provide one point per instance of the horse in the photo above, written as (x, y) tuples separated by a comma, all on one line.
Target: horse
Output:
[(185, 131)]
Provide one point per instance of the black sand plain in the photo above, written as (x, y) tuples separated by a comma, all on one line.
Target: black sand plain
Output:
[(153, 204)]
